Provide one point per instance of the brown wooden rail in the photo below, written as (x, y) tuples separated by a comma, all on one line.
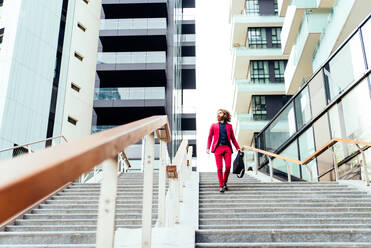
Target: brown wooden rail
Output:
[(313, 155), (29, 178)]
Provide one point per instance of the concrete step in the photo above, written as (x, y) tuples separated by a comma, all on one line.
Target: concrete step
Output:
[(78, 222), (122, 211), (81, 216), (288, 226), (284, 215), (289, 220), (283, 194), (276, 189), (76, 201), (286, 209), (286, 205), (54, 228), (89, 206), (278, 184), (83, 198), (8, 238), (284, 235), (282, 200), (284, 245), (96, 193), (50, 246)]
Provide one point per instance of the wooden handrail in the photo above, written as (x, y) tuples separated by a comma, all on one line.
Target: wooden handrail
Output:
[(313, 155), (271, 154), (35, 142), (26, 179)]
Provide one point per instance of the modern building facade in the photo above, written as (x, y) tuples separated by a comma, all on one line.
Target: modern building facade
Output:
[(328, 71), (258, 65), (47, 64), (140, 68)]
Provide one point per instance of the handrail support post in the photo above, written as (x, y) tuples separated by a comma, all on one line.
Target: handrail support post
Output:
[(161, 184), (147, 190), (107, 205), (288, 171), (270, 168), (336, 166), (365, 169)]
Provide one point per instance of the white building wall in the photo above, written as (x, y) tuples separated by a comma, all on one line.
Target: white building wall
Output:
[(27, 62), (79, 105)]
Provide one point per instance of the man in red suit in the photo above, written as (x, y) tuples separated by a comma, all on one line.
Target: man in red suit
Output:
[(222, 133)]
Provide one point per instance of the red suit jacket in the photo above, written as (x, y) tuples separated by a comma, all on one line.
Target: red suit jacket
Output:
[(214, 131)]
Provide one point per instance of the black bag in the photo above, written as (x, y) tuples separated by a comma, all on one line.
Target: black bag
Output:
[(239, 165)]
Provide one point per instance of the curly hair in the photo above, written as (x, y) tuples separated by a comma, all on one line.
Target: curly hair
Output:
[(227, 116)]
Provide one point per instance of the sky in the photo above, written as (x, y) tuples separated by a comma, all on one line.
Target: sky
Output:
[(213, 71)]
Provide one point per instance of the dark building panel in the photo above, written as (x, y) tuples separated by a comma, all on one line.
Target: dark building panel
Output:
[(189, 79), (120, 116), (266, 7), (133, 43), (147, 10), (188, 3), (188, 28), (189, 124), (188, 51), (136, 78), (274, 103)]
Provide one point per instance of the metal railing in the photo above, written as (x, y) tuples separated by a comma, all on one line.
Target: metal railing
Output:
[(53, 169), (360, 145), (32, 146)]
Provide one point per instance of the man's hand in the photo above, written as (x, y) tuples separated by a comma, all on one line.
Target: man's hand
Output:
[(208, 151)]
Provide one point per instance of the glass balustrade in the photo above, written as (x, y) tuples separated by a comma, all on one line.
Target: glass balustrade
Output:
[(188, 60), (334, 103), (138, 23), (109, 94), (131, 57)]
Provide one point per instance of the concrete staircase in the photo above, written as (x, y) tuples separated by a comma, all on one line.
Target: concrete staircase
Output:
[(257, 214), (69, 218)]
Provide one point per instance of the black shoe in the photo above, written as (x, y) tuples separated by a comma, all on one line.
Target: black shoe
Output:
[(225, 187), (221, 190)]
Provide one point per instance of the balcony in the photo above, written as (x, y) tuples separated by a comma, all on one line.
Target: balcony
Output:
[(246, 126), (189, 62), (129, 97), (237, 7), (292, 22), (99, 128), (245, 89), (137, 23), (282, 7), (240, 24), (242, 57), (131, 60), (299, 65), (326, 4), (189, 134), (188, 39)]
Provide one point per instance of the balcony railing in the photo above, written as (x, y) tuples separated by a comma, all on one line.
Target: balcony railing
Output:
[(129, 93), (189, 60), (99, 128), (188, 37), (138, 23), (131, 58)]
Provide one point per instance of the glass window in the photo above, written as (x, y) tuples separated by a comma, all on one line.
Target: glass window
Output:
[(357, 112), (275, 7), (346, 66), (306, 148), (321, 137), (279, 71), (317, 93), (280, 129), (252, 7), (257, 37), (276, 37), (259, 72), (366, 35), (302, 108), (259, 109), (291, 152)]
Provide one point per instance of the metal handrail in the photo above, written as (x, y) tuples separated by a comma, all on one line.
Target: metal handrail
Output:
[(35, 142), (66, 162), (307, 160)]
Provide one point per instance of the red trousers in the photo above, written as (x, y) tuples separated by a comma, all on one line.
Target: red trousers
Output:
[(220, 152)]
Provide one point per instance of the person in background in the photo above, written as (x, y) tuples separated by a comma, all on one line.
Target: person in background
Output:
[(220, 135)]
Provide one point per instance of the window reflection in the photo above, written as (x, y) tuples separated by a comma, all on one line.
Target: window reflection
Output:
[(302, 108), (346, 66)]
